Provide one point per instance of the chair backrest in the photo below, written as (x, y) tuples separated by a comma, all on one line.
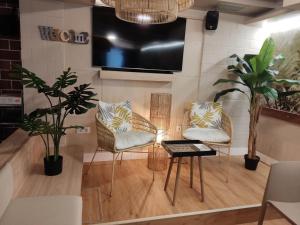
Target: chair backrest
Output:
[(226, 121), (284, 182), (6, 187)]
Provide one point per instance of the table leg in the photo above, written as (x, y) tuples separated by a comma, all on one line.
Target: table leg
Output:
[(201, 177), (191, 171), (177, 179), (169, 173)]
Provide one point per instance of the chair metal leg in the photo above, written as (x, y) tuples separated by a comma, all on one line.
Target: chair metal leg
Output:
[(228, 165), (262, 213), (219, 154), (121, 158), (86, 173), (154, 163), (112, 175)]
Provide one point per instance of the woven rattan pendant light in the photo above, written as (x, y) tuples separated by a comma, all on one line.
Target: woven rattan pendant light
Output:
[(182, 4), (147, 11), (109, 2), (185, 4)]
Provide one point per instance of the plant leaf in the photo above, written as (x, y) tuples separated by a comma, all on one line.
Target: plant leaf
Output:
[(228, 81), (238, 64), (265, 56), (286, 93), (278, 59), (68, 78), (286, 81), (268, 92), (79, 100), (226, 91)]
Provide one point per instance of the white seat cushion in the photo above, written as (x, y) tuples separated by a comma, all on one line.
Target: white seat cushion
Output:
[(50, 210), (133, 138), (206, 134), (290, 209), (6, 187)]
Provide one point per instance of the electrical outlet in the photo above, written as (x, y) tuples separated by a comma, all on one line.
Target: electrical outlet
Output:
[(84, 130), (178, 128)]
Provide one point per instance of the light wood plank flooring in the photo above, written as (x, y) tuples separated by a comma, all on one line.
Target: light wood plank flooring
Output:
[(136, 196), (272, 222)]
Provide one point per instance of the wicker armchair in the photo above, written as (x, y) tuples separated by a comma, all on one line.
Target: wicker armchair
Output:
[(107, 140), (226, 126)]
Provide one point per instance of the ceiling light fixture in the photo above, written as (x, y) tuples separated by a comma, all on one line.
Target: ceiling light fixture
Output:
[(148, 11), (109, 2), (185, 4), (143, 17)]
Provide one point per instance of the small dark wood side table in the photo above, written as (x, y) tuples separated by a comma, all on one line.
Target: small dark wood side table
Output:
[(185, 148)]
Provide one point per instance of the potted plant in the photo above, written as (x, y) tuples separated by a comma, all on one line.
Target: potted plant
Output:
[(257, 73), (48, 123)]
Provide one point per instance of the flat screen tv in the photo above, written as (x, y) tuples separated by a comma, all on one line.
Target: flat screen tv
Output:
[(120, 45)]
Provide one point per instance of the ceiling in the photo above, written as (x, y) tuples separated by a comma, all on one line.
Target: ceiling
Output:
[(250, 8)]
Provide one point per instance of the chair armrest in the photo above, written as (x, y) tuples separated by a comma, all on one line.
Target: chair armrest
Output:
[(227, 125), (140, 123), (105, 137), (185, 126)]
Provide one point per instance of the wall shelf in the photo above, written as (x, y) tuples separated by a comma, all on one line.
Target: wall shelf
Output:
[(135, 76)]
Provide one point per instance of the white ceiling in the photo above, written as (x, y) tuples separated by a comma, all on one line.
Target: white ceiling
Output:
[(240, 7)]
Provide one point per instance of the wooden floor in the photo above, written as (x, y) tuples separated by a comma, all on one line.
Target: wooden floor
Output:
[(136, 196), (272, 222)]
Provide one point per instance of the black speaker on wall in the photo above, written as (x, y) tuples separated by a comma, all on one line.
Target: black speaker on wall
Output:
[(212, 20)]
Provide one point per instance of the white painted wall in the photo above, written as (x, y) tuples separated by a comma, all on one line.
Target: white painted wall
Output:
[(48, 59)]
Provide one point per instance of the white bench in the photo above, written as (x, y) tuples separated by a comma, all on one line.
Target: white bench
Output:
[(47, 210), (27, 197)]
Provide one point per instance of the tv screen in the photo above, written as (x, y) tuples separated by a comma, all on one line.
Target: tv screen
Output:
[(127, 46)]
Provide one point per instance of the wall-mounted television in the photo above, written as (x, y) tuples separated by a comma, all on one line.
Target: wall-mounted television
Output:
[(119, 45)]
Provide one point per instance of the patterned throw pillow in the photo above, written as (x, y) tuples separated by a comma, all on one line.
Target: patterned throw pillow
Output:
[(206, 115), (116, 116)]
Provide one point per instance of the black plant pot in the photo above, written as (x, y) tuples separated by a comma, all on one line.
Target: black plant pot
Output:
[(251, 164), (52, 167)]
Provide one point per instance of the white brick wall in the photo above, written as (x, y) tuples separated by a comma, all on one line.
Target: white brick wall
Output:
[(230, 37)]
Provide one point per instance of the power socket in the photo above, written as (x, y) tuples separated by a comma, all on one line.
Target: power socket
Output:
[(83, 130)]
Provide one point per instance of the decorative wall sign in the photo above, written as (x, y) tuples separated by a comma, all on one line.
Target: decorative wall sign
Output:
[(53, 34)]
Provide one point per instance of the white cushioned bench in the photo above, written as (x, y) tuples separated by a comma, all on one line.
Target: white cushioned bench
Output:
[(44, 210)]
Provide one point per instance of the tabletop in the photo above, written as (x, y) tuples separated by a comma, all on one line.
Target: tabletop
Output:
[(186, 148)]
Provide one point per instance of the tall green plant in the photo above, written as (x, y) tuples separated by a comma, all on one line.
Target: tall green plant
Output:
[(257, 73), (48, 123)]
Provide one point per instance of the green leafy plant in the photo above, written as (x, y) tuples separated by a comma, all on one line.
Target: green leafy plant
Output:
[(257, 74), (48, 123), (288, 95)]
